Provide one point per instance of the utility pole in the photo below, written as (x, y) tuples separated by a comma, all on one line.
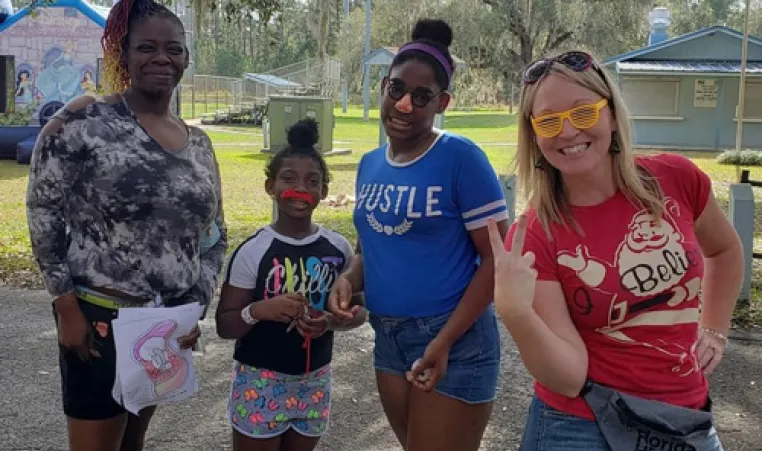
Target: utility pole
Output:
[(344, 75), (742, 81), (366, 70)]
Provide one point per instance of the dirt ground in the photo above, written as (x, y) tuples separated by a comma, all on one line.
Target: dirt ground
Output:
[(31, 418)]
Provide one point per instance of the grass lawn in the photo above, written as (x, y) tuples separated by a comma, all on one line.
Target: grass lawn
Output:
[(248, 207)]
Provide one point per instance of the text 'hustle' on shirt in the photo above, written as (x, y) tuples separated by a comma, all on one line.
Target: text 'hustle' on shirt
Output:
[(413, 222)]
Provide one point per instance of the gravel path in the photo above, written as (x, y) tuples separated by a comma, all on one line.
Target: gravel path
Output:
[(30, 416)]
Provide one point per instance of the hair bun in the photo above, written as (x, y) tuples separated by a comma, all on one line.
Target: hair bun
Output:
[(433, 30), (303, 134)]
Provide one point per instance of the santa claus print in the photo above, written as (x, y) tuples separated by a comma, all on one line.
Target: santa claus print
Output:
[(650, 264)]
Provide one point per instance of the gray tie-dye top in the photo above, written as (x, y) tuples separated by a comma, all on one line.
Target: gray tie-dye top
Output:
[(109, 207)]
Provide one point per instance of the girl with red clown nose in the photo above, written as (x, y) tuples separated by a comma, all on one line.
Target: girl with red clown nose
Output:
[(423, 203), (272, 304)]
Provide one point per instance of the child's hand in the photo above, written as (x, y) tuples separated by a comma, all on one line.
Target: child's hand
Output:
[(313, 325), (281, 309)]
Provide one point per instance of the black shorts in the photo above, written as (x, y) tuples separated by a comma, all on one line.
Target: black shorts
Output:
[(86, 386)]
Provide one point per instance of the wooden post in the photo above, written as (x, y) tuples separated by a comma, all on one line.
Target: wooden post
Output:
[(742, 80), (741, 213), (382, 138), (508, 183), (366, 68), (344, 75)]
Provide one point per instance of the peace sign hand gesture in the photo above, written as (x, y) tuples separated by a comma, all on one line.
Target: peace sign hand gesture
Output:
[(515, 278)]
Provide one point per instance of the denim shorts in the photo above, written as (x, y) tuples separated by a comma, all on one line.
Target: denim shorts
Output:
[(548, 429), (474, 364)]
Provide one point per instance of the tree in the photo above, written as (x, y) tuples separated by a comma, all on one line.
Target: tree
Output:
[(246, 44), (689, 16), (540, 27), (264, 9), (611, 29), (319, 22)]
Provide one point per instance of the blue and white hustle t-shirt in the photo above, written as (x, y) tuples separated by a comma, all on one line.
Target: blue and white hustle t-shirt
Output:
[(413, 221)]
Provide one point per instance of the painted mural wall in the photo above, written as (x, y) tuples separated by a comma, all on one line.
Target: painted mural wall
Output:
[(56, 54)]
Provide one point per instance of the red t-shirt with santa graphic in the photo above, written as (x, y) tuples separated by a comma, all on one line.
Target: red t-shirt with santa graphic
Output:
[(632, 287)]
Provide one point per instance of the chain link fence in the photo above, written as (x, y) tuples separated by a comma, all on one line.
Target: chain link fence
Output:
[(211, 94), (206, 94)]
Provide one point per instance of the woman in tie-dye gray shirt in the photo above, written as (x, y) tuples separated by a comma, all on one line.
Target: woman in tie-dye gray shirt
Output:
[(109, 208), (124, 207), (115, 215)]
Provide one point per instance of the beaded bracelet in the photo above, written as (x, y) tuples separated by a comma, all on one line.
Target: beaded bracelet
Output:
[(715, 334)]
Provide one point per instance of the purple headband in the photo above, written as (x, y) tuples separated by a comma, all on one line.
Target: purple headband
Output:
[(430, 50)]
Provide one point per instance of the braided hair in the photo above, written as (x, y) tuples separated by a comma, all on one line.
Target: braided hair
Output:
[(122, 19)]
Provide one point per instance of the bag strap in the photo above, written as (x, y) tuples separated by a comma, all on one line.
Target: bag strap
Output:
[(586, 388)]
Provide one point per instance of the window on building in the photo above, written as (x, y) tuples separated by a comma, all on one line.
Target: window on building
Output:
[(651, 97), (752, 107)]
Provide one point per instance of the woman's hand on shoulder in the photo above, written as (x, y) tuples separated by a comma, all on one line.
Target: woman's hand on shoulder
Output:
[(80, 103), (76, 104)]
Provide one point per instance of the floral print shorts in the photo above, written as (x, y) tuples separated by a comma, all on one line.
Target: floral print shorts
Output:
[(265, 403)]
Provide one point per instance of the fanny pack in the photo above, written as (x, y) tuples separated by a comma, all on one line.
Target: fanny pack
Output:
[(630, 423), (110, 302)]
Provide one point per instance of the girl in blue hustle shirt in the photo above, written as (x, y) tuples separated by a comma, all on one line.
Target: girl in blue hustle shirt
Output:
[(423, 203)]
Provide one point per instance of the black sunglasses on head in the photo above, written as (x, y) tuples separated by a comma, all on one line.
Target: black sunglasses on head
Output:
[(420, 97), (574, 60)]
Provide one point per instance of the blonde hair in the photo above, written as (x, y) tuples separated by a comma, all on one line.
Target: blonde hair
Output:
[(543, 186)]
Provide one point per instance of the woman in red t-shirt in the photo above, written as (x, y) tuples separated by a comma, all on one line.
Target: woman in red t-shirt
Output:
[(618, 249)]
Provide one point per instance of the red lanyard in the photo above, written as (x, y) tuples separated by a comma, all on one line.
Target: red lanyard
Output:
[(307, 344)]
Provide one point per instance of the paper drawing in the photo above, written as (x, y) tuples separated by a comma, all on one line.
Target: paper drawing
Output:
[(151, 367), (160, 359)]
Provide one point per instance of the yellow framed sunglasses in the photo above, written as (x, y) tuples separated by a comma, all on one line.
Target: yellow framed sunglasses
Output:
[(581, 117)]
